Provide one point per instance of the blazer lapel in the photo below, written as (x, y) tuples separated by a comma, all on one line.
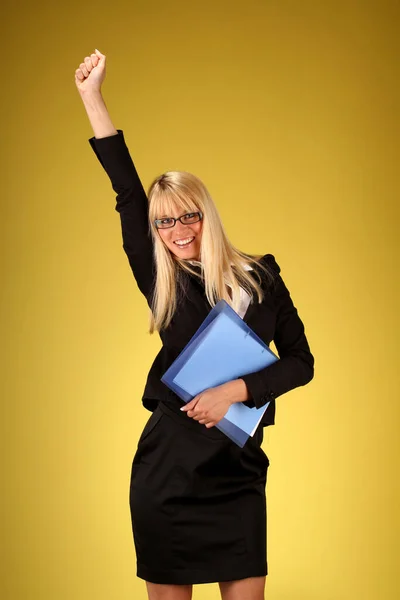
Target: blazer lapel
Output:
[(251, 307)]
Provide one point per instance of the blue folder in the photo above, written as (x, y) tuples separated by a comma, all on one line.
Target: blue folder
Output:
[(223, 348)]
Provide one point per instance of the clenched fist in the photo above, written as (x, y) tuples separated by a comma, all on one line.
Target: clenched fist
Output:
[(91, 73)]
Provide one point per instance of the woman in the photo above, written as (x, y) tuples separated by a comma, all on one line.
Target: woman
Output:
[(197, 500)]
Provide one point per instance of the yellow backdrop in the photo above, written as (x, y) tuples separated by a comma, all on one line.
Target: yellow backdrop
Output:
[(288, 112)]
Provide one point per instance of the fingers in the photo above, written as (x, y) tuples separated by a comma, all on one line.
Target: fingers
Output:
[(95, 59), (79, 75), (191, 404), (203, 420), (84, 70), (208, 425), (194, 415), (88, 64)]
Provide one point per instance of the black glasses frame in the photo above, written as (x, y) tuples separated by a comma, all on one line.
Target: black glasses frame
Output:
[(157, 221)]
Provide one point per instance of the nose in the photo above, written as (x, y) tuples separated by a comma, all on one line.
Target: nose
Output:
[(180, 228)]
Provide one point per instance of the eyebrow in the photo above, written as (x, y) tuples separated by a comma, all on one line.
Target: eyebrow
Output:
[(185, 213)]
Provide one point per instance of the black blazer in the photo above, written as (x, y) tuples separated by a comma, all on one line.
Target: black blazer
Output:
[(276, 318)]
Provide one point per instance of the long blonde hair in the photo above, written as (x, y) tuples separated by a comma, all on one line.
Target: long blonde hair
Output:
[(221, 263)]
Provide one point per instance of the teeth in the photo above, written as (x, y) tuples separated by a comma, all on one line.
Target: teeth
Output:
[(184, 242)]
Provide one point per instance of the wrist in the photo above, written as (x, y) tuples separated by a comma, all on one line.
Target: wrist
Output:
[(90, 93), (93, 100), (237, 391)]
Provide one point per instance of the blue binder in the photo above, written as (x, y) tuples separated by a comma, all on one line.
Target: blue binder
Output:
[(223, 348)]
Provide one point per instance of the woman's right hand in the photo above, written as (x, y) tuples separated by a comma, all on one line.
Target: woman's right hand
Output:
[(90, 74), (88, 78)]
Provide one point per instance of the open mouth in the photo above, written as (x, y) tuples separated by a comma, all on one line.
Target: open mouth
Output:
[(184, 243)]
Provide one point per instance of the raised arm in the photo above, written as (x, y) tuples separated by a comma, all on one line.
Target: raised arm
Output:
[(111, 150)]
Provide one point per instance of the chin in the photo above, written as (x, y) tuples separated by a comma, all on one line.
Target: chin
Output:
[(186, 255)]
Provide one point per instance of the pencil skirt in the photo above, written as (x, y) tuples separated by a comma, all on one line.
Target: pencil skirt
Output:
[(197, 502)]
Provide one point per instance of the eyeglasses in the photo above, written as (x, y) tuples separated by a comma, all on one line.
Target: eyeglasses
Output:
[(186, 219)]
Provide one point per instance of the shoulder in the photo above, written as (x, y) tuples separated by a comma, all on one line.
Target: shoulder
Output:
[(268, 266), (269, 261), (267, 270)]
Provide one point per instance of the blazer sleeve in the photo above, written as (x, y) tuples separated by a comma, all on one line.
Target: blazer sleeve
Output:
[(132, 206), (295, 366)]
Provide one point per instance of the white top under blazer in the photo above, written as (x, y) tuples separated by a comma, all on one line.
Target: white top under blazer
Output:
[(244, 296)]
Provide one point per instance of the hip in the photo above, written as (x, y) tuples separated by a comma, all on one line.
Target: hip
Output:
[(177, 452)]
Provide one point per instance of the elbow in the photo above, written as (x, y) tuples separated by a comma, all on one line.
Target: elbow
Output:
[(301, 368), (308, 368)]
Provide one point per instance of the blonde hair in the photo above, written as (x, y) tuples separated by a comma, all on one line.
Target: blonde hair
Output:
[(221, 262)]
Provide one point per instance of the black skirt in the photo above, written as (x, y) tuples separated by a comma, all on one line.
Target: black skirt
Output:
[(197, 502)]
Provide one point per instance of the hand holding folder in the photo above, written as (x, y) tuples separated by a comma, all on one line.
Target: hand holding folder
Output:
[(223, 348)]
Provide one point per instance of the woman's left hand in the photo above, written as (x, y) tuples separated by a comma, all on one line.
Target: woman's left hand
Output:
[(210, 406)]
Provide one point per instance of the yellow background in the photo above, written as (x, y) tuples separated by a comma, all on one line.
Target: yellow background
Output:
[(289, 113)]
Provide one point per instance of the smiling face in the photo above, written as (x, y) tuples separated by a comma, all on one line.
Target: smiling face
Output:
[(183, 240)]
